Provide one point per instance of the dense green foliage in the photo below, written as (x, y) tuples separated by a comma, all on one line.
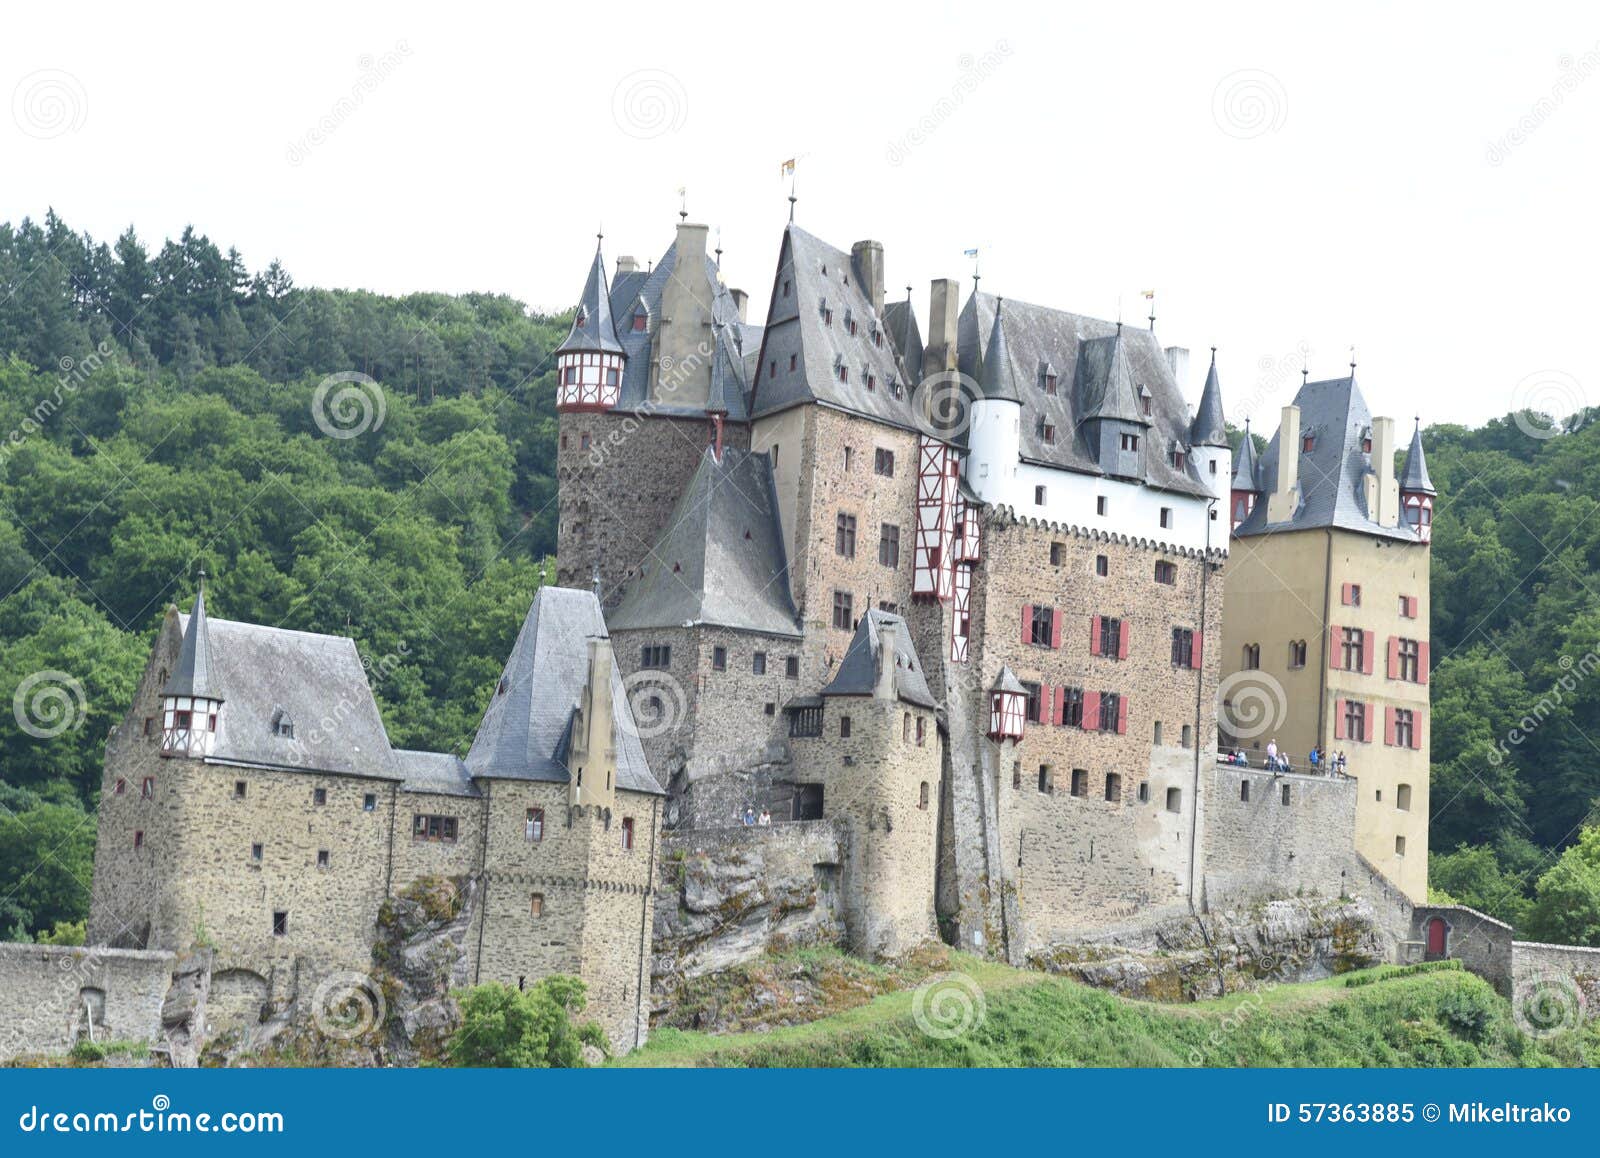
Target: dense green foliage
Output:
[(157, 416), (531, 1028)]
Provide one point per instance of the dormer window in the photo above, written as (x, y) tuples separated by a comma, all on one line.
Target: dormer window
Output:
[(1047, 378), (1045, 432), (1308, 443), (850, 322), (877, 337), (282, 725), (1178, 457), (580, 318), (1145, 403), (641, 321), (844, 372), (1366, 445)]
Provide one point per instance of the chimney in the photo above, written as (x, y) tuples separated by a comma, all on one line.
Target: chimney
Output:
[(681, 369), (940, 353), (1383, 493), (868, 259), (1283, 500), (741, 302), (884, 688), (1178, 363), (627, 265), (593, 755), (691, 243)]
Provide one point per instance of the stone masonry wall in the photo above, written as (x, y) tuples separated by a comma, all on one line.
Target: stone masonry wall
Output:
[(1555, 986), (1302, 844), (415, 858), (1477, 940), (50, 993)]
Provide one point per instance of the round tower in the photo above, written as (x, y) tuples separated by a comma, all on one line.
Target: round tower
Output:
[(590, 362), (191, 701), (995, 438), (1245, 489), (1416, 489), (1208, 438)]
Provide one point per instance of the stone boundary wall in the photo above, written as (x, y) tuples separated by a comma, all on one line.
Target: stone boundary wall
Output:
[(1575, 971), (1481, 943), (50, 995)]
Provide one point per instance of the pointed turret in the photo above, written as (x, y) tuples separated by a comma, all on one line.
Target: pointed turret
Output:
[(192, 675), (1113, 416), (589, 363), (1208, 427), (191, 701), (1245, 489), (1416, 489), (999, 380)]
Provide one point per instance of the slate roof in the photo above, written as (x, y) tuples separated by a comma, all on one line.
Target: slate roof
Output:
[(1007, 681), (1209, 428), (1098, 371), (193, 675), (999, 380), (441, 772), (822, 277), (722, 559), (858, 671), (318, 681), (592, 327), (734, 340), (525, 729), (1332, 474), (1246, 471), (1414, 476), (900, 319)]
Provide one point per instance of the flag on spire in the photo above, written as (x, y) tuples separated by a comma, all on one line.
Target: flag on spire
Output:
[(786, 169)]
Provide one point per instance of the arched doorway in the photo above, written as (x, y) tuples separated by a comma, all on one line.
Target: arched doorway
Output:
[(1438, 935)]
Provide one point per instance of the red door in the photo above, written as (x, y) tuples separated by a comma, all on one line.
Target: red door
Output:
[(1436, 936)]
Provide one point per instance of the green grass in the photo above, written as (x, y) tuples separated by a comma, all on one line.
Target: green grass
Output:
[(1435, 1018)]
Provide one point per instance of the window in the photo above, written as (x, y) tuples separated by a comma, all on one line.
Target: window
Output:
[(843, 603), (147, 788), (1016, 774), (1244, 792), (805, 722), (657, 656), (1130, 442), (149, 725), (1399, 846), (1080, 782), (1072, 707), (627, 833), (844, 536), (719, 659), (256, 852), (889, 605), (1039, 496), (612, 378), (1049, 383), (1182, 647), (758, 663), (785, 287), (1186, 737), (181, 720), (1366, 446), (1046, 779), (1045, 432), (844, 727), (1155, 737), (1174, 800), (1110, 710), (441, 829), (1102, 566), (1100, 505), (1042, 626), (319, 796), (533, 825), (1307, 443), (1211, 464), (640, 321), (138, 840), (583, 440), (322, 858), (1408, 606), (1178, 459), (905, 728), (1167, 573), (1113, 786), (239, 788), (1166, 516), (883, 462), (889, 545), (769, 708), (791, 667), (922, 796), (1354, 649), (1297, 653), (922, 731), (1408, 656), (772, 368), (1402, 798), (369, 802), (849, 457), (1252, 656), (1404, 729), (1355, 721), (1058, 554), (1110, 637), (280, 924), (1352, 594), (536, 905)]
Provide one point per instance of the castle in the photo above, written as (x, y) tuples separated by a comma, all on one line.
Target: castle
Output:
[(967, 599)]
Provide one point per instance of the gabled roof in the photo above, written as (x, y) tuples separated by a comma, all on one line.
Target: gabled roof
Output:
[(1246, 475), (1007, 681), (270, 673), (1414, 477), (999, 376), (824, 280), (1209, 427), (900, 320), (1333, 472), (441, 772), (721, 559), (193, 675), (525, 729), (1037, 336), (592, 328), (858, 671), (1104, 388)]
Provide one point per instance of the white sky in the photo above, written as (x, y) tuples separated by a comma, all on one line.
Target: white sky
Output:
[(1095, 161)]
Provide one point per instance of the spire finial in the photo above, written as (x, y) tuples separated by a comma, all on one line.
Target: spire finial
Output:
[(599, 237), (1352, 361), (1213, 355), (1150, 295), (599, 592), (793, 186), (683, 202), (202, 578), (719, 247)]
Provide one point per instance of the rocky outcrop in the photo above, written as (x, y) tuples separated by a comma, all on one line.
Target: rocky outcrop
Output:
[(183, 1011), (1188, 958), (422, 957)]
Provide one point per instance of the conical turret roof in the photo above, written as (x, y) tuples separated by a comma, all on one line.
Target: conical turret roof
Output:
[(194, 675), (1208, 427), (1415, 475), (593, 328), (999, 380), (1244, 463)]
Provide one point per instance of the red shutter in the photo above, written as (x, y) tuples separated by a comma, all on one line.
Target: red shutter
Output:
[(1417, 718), (1122, 639), (1027, 623), (1393, 666), (1388, 726), (1334, 650), (1196, 662), (1344, 594), (1055, 627), (1122, 715), (1338, 719), (1059, 712), (1369, 642), (1091, 711), (1422, 662), (1094, 635)]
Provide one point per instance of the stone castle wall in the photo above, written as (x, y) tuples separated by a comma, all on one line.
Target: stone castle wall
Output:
[(51, 996), (1293, 833)]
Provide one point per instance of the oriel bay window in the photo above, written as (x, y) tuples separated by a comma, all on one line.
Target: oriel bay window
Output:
[(433, 828)]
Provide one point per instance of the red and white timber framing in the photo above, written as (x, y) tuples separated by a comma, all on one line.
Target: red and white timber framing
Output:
[(587, 381)]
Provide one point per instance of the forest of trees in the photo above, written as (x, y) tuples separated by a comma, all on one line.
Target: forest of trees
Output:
[(156, 417)]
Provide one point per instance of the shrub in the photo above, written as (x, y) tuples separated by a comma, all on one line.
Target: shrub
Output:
[(501, 1026)]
